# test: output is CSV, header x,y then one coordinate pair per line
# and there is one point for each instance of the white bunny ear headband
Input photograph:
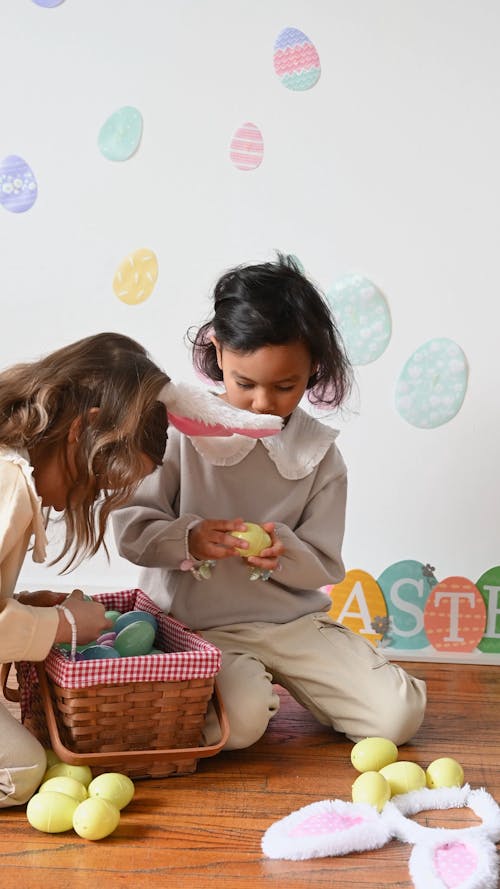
x,y
441,858
196,411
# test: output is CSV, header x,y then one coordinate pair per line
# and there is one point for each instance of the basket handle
x,y
10,694
107,759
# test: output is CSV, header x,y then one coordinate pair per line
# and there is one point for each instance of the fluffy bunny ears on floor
x,y
196,411
441,858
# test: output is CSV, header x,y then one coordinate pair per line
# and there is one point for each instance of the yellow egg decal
x,y
371,788
136,277
404,776
372,754
358,603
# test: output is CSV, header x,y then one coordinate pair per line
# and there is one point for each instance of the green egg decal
x,y
489,587
363,317
120,135
432,385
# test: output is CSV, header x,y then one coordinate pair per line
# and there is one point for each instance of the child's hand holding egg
x,y
256,537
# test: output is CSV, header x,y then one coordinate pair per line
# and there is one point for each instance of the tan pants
x,y
22,761
336,674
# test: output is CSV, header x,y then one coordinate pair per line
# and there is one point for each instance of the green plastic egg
x,y
135,639
51,812
112,615
95,818
96,652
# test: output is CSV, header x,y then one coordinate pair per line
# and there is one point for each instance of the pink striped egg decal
x,y
296,60
247,147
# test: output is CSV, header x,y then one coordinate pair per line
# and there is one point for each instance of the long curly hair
x,y
111,384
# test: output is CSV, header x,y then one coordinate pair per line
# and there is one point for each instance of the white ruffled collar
x,y
22,459
295,451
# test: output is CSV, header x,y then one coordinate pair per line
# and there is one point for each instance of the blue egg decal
x,y
18,186
406,586
120,135
432,385
363,317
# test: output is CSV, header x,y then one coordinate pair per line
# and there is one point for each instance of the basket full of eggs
x,y
135,701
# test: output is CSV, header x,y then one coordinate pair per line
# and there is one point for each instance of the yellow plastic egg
x,y
372,788
65,784
51,812
372,754
445,772
256,537
80,773
95,818
404,776
113,786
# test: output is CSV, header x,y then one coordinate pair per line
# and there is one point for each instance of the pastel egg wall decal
x,y
358,603
432,385
136,277
489,587
455,615
296,60
18,186
48,3
120,135
247,147
363,317
406,586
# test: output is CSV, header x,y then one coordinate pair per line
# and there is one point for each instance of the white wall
x,y
388,167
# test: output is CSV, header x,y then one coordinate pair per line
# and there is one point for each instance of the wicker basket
x,y
145,727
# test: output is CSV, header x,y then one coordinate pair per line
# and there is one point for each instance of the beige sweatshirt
x,y
296,479
26,632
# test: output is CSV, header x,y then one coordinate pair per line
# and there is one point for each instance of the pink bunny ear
x,y
465,863
195,411
330,827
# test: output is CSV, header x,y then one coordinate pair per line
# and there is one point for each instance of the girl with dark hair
x,y
271,341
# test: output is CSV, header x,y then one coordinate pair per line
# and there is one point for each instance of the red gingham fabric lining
x,y
187,656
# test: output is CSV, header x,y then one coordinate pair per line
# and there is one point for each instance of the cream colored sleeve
x,y
26,632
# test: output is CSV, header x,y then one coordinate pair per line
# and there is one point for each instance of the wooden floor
x,y
205,829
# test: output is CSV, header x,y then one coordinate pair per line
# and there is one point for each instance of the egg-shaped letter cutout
x,y
432,385
358,603
455,615
120,135
247,147
489,587
296,60
18,188
363,317
136,277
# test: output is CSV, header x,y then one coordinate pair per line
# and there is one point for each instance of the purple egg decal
x,y
296,60
18,188
247,147
48,3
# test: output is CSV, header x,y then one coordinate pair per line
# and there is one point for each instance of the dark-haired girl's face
x,y
271,380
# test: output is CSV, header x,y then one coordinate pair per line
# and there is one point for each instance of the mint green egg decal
x,y
489,587
406,586
363,317
120,135
432,385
